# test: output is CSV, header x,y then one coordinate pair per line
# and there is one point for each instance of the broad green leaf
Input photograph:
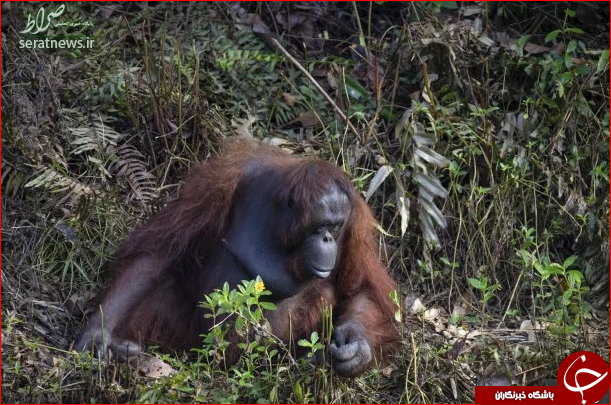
x,y
552,35
603,61
475,282
354,88
575,278
569,261
553,269
268,305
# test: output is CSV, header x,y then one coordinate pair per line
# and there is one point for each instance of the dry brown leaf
x,y
535,49
154,368
307,119
431,314
243,126
278,142
387,371
289,99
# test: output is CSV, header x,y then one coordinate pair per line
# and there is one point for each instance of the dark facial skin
x,y
319,251
253,238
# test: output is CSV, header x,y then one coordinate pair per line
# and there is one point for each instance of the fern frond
x,y
57,182
128,162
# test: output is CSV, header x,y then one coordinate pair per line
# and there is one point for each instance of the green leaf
x,y
239,323
583,70
574,30
566,77
571,46
560,89
450,5
522,41
554,269
552,35
549,102
354,89
298,391
268,306
568,61
539,268
603,61
273,394
524,255
569,261
398,316
476,283
575,278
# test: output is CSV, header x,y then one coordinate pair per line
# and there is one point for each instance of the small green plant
x,y
260,368
560,291
486,289
314,344
244,306
396,299
559,70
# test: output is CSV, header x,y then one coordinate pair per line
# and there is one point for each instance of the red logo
x,y
583,377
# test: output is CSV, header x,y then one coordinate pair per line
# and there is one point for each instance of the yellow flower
x,y
259,286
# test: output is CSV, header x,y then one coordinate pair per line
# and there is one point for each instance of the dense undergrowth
x,y
478,132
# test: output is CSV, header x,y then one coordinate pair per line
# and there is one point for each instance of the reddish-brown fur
x,y
178,239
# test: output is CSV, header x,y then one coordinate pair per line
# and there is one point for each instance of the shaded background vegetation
x,y
479,133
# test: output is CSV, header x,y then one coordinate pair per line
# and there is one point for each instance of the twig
x,y
295,62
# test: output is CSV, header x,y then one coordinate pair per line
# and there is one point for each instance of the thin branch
x,y
338,110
